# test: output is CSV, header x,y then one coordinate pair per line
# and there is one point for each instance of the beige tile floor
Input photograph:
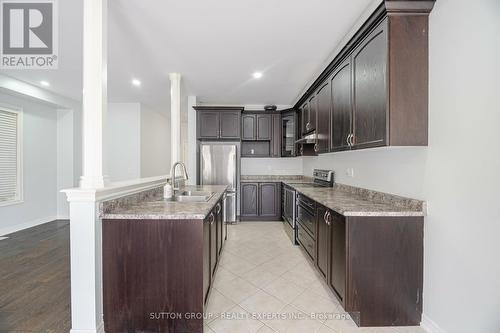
x,y
265,284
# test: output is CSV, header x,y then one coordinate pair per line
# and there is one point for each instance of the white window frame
x,y
20,188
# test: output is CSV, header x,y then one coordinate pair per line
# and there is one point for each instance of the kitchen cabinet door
x,y
269,200
323,108
249,199
230,123
264,127
305,118
220,226
213,243
312,113
206,258
208,125
337,276
341,106
276,133
322,240
249,127
289,134
369,75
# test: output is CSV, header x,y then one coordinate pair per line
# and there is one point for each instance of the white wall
x,y
271,166
39,167
458,174
122,141
155,143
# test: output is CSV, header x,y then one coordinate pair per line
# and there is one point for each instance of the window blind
x,y
9,161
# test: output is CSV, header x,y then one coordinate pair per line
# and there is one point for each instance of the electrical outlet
x,y
350,172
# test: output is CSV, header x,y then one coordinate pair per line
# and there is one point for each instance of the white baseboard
x,y
62,217
26,225
430,326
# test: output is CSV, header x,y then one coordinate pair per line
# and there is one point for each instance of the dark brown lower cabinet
x,y
155,267
336,253
322,241
269,203
260,201
373,265
249,200
213,242
207,270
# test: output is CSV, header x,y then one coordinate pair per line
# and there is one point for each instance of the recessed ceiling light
x,y
44,83
136,82
257,75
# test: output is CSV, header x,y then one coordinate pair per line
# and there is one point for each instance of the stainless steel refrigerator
x,y
219,164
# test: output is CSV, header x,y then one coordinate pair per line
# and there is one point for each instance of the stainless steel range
x,y
292,202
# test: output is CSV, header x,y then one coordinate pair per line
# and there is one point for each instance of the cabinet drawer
x,y
306,202
306,218
306,241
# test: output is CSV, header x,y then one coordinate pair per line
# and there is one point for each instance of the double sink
x,y
192,196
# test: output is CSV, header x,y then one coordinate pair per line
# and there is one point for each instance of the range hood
x,y
308,139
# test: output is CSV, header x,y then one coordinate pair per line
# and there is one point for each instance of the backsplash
x,y
272,166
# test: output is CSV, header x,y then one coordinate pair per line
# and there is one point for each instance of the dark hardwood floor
x,y
35,280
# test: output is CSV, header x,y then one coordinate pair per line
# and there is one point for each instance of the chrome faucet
x,y
175,188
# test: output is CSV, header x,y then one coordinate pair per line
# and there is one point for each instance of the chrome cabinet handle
x,y
348,138
218,208
325,217
351,139
212,218
316,148
308,126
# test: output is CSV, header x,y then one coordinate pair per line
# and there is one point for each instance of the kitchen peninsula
x,y
159,260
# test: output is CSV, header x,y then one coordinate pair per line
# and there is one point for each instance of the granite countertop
x,y
348,200
157,208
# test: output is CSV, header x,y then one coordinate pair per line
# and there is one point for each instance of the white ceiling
x,y
215,44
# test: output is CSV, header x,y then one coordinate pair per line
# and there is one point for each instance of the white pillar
x,y
86,228
94,90
191,155
175,116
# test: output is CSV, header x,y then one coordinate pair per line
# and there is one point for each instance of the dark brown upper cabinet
x,y
214,123
323,108
248,127
378,83
256,127
264,127
311,122
276,133
369,77
340,86
304,112
230,125
289,126
208,125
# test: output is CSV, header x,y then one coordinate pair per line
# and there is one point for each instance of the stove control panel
x,y
323,175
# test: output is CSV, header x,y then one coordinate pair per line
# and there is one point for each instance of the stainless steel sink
x,y
192,196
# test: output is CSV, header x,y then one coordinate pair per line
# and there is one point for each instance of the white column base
x,y
99,329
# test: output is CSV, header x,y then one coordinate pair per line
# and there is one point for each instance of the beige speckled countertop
x,y
348,200
157,208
